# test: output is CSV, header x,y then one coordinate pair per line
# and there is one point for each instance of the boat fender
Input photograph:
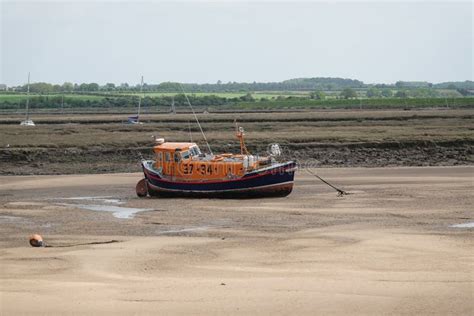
x,y
159,141
142,188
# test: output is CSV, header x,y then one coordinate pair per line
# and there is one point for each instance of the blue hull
x,y
276,180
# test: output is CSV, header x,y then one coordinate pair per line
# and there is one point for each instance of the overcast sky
x,y
198,41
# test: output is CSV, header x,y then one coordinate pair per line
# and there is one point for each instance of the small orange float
x,y
36,241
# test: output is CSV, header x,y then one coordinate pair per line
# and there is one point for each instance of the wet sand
x,y
387,248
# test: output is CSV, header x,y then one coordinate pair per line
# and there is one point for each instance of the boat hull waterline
x,y
273,181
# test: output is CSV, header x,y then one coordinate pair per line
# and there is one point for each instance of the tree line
x,y
299,84
347,97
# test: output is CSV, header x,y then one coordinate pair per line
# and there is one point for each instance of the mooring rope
x,y
340,192
82,244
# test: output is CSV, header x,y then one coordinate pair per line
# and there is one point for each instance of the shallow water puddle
x,y
117,211
464,225
103,199
104,204
184,230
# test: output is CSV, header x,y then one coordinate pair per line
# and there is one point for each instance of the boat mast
x,y
140,101
240,135
28,99
196,118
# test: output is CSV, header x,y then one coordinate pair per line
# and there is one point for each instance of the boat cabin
x,y
186,162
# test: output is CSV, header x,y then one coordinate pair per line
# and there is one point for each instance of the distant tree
x,y
373,93
67,87
110,86
169,87
387,93
401,94
93,87
348,93
452,87
40,87
123,86
317,95
247,97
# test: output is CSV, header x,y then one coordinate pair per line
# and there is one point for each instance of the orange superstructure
x,y
184,161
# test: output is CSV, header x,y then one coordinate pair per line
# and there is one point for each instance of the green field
x,y
264,100
98,95
93,97
258,95
15,98
228,95
22,97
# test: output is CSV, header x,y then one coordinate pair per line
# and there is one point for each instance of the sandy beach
x,y
390,247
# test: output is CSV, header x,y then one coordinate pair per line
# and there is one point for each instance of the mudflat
x,y
400,243
101,143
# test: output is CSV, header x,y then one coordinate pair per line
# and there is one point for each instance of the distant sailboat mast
x,y
28,99
27,121
140,101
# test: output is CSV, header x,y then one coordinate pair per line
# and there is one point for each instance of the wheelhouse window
x,y
195,151
159,156
167,157
185,154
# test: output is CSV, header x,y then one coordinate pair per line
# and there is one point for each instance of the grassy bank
x,y
159,102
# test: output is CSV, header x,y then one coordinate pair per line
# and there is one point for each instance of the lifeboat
x,y
181,169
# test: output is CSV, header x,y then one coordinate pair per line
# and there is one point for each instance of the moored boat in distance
x,y
181,169
27,121
135,119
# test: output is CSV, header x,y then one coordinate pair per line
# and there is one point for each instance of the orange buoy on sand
x,y
36,241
